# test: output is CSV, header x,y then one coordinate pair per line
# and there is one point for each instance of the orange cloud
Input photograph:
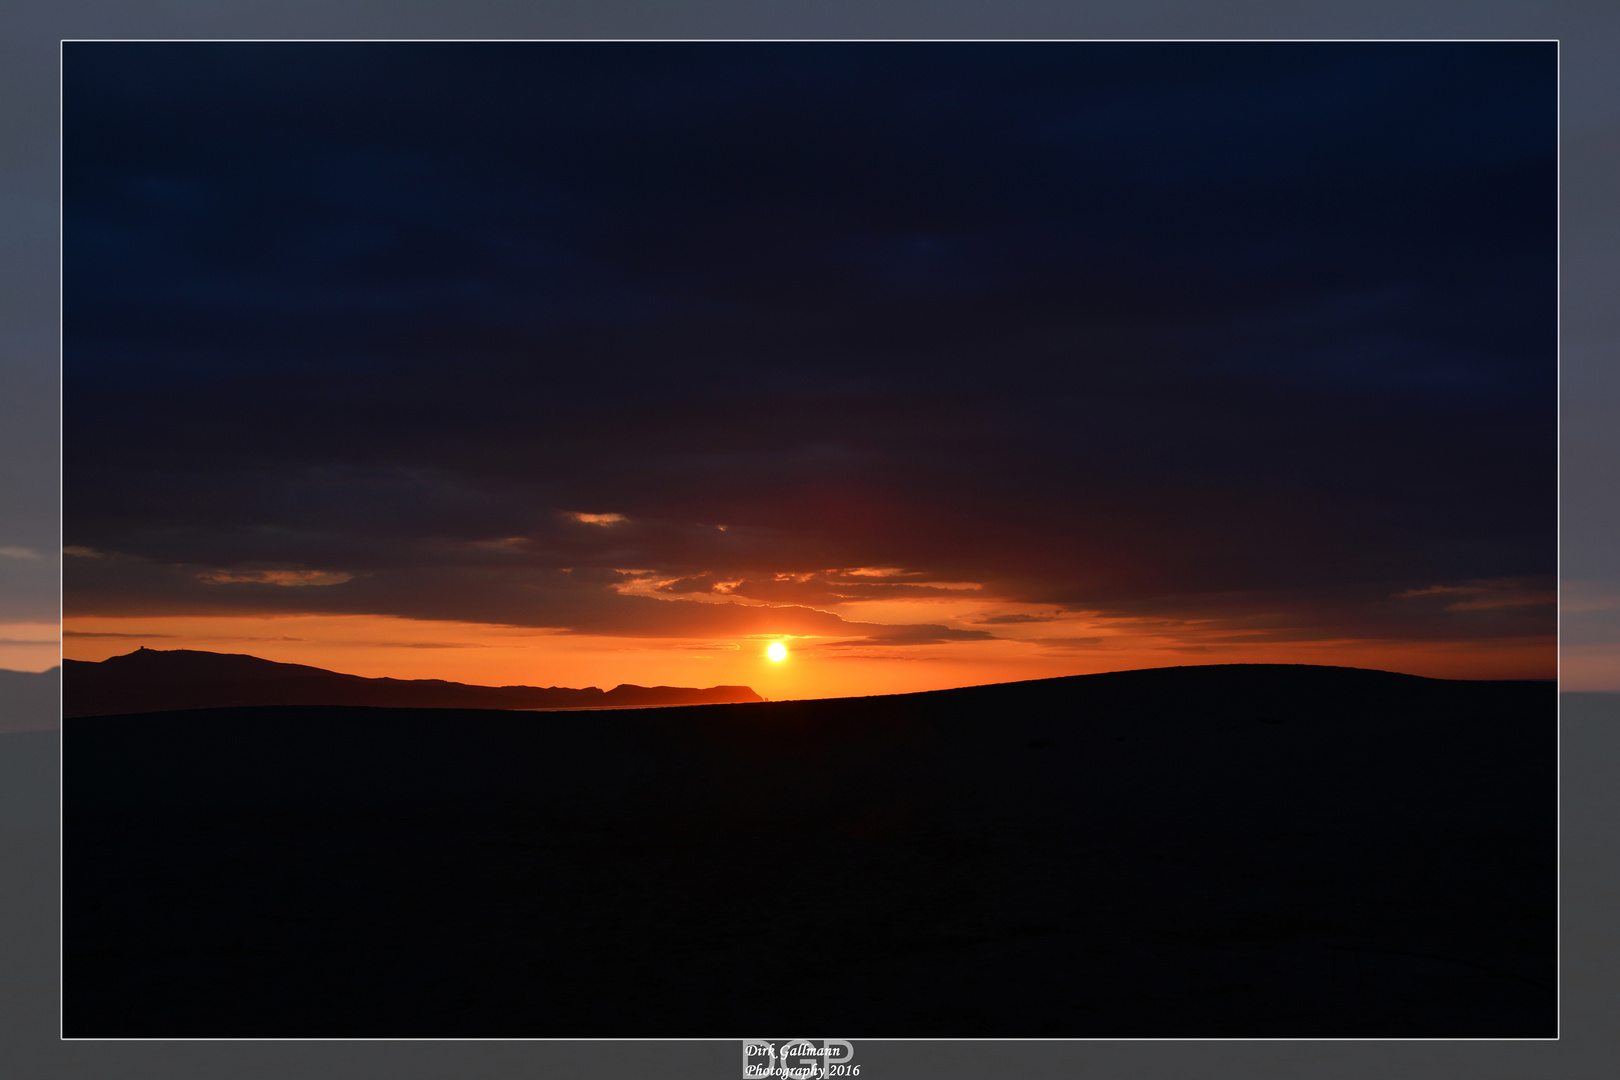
x,y
289,578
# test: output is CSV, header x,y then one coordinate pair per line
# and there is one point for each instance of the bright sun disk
x,y
777,651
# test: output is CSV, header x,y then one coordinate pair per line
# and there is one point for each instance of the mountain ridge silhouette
x,y
168,680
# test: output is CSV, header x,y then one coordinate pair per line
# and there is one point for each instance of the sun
x,y
777,651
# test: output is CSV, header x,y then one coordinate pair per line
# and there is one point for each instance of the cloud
x,y
1206,340
701,583
102,634
1011,620
1071,644
570,602
827,587
287,578
831,588
911,635
1588,610
431,645
12,551
1485,595
1518,608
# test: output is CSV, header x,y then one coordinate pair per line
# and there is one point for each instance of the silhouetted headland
x,y
1222,851
154,680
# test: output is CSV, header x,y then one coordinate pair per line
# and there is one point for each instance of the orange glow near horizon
x,y
376,646
30,646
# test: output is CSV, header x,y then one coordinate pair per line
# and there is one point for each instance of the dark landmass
x,y
1223,851
153,680
30,700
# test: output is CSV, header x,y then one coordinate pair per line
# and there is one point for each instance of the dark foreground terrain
x,y
1246,850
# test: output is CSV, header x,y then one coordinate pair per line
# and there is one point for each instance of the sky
x,y
943,364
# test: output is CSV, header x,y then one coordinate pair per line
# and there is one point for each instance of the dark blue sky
x,y
1257,333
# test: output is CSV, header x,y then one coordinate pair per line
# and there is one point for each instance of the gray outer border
x,y
1590,33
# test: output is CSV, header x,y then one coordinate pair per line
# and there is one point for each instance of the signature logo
x,y
798,1059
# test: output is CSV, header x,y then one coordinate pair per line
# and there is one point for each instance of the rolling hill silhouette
x,y
1223,851
152,680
